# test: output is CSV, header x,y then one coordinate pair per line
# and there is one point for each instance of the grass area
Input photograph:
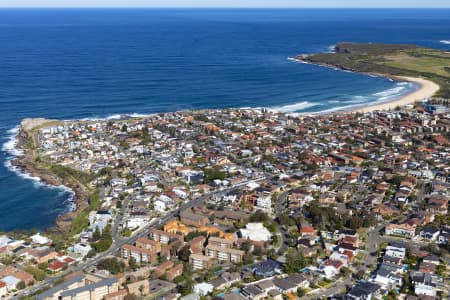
x,y
68,173
392,60
426,60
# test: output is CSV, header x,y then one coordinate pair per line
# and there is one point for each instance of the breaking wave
x,y
10,147
294,107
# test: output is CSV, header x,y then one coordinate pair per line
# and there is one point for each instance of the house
x,y
233,296
429,233
364,291
255,232
252,292
389,276
426,283
444,236
11,282
264,202
203,288
225,280
267,268
404,230
82,248
40,240
291,283
393,251
331,268
308,231
431,259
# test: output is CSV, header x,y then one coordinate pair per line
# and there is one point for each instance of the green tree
x,y
184,253
21,285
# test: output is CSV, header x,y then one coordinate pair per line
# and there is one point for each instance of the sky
x,y
231,3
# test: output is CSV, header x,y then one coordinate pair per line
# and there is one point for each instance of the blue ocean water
x,y
90,63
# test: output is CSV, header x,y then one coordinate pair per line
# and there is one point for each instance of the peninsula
x,y
426,67
247,203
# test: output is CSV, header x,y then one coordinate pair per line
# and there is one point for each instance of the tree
x,y
112,265
132,263
97,234
186,286
248,258
38,275
355,222
295,261
21,285
258,251
301,292
184,253
245,246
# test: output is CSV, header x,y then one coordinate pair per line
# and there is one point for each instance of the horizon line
x,y
216,7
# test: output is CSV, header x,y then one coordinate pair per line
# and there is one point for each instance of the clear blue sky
x,y
228,3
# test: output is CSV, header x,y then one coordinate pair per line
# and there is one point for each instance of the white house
x,y
4,240
39,239
11,282
424,289
137,220
82,249
256,232
264,202
159,205
396,252
203,288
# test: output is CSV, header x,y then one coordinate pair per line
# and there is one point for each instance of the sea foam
x,y
445,42
293,107
10,147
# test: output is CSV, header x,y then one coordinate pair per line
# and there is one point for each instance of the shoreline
x,y
427,89
24,162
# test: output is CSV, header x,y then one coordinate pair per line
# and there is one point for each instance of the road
x,y
280,208
119,242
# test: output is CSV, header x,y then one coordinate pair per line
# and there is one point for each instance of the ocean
x,y
94,63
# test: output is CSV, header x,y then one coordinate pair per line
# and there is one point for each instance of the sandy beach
x,y
427,89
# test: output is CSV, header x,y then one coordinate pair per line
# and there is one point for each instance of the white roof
x,y
256,232
39,239
4,240
10,280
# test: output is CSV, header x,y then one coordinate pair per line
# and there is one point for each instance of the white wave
x,y
389,92
294,107
331,49
10,147
357,99
445,42
115,117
